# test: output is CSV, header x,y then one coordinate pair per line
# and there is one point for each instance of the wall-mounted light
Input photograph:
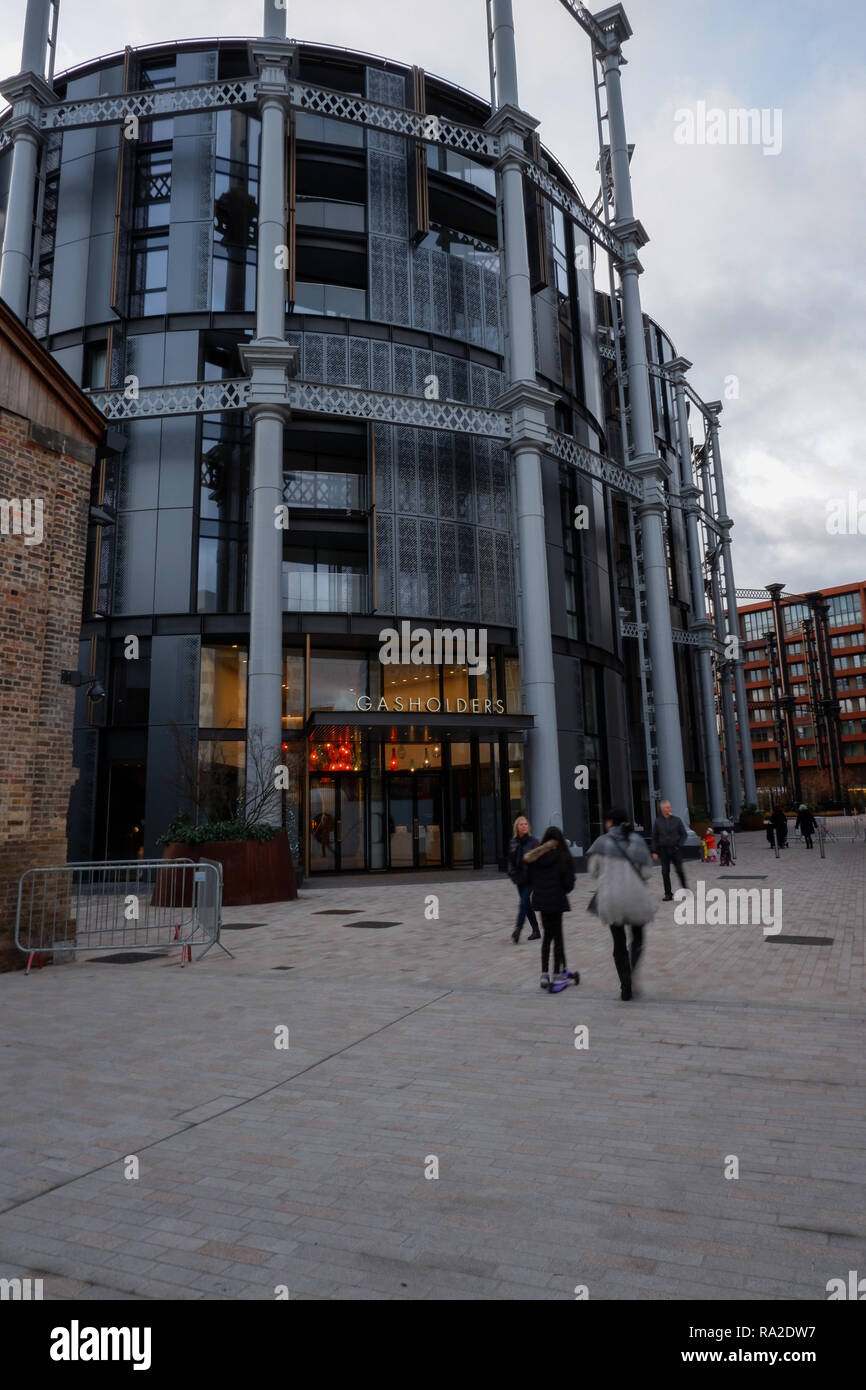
x,y
95,688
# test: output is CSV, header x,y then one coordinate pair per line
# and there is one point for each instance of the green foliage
x,y
183,831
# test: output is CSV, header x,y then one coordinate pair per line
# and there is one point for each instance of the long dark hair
x,y
621,820
553,832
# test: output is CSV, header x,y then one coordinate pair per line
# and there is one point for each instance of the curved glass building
x,y
400,571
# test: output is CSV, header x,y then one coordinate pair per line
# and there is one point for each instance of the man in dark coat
x,y
669,836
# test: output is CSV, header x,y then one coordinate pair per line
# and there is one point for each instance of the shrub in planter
x,y
256,859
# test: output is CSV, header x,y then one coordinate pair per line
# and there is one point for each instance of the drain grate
x,y
240,926
282,967
379,925
128,958
336,911
803,940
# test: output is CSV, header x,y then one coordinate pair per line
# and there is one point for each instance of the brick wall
x,y
41,589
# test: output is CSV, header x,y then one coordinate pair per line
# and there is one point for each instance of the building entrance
x,y
337,823
414,820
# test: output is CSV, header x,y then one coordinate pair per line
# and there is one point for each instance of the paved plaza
x,y
426,1043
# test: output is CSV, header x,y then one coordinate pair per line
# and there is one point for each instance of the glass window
x,y
410,683
333,301
222,572
222,700
329,212
337,681
844,610
220,778
325,130
797,668
757,623
324,581
294,666
149,274
130,685
460,166
455,680
516,783
513,702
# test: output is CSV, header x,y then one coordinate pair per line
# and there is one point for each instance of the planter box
x,y
252,872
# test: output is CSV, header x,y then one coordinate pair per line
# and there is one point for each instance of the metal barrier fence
x,y
139,905
847,829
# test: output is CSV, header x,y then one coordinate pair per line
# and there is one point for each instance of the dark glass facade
x,y
147,270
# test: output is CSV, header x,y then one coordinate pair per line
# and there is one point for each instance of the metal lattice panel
x,y
427,498
384,478
428,567
393,119
314,356
486,577
445,471
335,360
407,472
474,313
681,637
421,295
483,497
563,447
407,565
359,362
170,101
384,564
448,570
504,579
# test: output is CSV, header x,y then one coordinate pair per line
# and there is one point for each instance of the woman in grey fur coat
x,y
620,862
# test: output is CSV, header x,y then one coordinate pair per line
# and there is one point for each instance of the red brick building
x,y
49,433
805,668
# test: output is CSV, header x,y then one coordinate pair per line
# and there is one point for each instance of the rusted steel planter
x,y
253,872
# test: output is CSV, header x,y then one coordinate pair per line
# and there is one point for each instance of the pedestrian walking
x,y
726,858
550,870
806,824
779,822
523,840
620,861
669,836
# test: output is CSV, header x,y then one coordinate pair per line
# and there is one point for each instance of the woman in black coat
x,y
523,841
779,822
806,824
550,870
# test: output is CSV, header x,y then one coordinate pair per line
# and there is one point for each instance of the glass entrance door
x,y
415,820
337,838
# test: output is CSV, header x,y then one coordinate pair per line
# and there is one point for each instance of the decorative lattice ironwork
x,y
576,210
189,398
202,397
681,637
167,101
396,120
594,465
397,410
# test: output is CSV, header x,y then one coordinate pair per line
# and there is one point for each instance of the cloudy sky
x,y
755,263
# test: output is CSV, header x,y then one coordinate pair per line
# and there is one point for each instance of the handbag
x,y
592,905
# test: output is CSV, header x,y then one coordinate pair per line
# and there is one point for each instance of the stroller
x,y
725,856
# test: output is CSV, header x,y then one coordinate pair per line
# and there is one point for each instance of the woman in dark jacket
x,y
551,877
806,824
523,841
779,822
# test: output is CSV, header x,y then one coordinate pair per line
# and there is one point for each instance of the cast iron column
x,y
27,94
647,461
528,404
268,359
701,623
786,699
746,759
